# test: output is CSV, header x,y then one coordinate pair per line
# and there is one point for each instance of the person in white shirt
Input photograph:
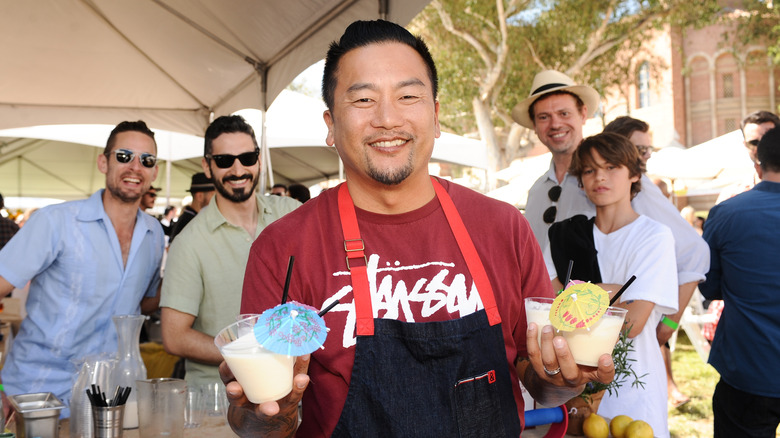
x,y
622,243
557,109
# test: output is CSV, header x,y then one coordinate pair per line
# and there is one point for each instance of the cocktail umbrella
x,y
579,306
291,328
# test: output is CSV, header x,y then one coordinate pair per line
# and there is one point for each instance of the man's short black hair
x,y
226,124
626,125
363,33
758,118
138,126
769,150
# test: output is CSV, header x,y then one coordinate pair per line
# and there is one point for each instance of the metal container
x,y
108,421
38,414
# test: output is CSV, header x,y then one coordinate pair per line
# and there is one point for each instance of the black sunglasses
x,y
225,161
554,194
753,143
125,156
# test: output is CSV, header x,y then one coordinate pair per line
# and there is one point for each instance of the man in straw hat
x,y
557,109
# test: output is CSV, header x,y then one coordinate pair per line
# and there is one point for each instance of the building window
x,y
644,85
728,85
731,125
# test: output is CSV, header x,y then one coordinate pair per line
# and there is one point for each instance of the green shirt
x,y
204,273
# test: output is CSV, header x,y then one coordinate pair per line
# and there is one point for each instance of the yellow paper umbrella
x,y
579,306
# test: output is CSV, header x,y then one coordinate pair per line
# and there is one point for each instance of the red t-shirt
x,y
416,274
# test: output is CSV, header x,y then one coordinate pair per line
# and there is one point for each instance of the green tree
x,y
489,51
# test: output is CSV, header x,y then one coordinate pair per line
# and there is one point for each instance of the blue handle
x,y
538,417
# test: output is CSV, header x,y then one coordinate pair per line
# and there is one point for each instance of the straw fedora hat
x,y
548,81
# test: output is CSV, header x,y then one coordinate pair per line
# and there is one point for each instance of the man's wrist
x,y
669,323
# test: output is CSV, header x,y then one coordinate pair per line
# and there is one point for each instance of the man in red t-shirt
x,y
442,345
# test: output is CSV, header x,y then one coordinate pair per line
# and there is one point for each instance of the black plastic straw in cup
x,y
622,289
327,309
568,273
287,281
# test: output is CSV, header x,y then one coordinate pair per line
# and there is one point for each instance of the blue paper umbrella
x,y
291,328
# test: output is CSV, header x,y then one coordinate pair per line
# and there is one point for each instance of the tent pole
x,y
267,165
168,173
266,173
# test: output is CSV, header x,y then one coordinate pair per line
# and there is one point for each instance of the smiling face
x,y
384,117
237,183
605,183
128,182
558,123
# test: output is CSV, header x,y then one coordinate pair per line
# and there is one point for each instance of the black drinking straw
x,y
622,289
287,281
568,273
327,309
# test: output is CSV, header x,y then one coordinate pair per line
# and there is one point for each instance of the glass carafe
x,y
93,370
130,367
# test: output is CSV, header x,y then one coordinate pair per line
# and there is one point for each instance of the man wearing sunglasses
x,y
147,200
204,271
86,261
754,126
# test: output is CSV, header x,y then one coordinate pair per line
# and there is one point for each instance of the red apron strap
x,y
355,248
469,252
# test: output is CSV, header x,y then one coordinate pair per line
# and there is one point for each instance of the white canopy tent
x,y
59,161
704,169
172,63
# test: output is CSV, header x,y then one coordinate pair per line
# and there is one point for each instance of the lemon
x,y
595,426
639,429
618,425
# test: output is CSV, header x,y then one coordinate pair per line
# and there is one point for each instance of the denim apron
x,y
433,379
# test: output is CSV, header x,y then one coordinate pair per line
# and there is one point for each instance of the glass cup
x,y
264,375
586,344
194,408
214,399
161,405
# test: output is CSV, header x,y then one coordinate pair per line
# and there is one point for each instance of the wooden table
x,y
218,427
210,428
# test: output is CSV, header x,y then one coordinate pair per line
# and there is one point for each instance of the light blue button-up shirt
x,y
70,253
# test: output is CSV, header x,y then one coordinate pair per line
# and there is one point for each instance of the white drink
x,y
265,376
586,344
130,416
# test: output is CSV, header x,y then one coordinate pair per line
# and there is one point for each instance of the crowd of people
x,y
424,274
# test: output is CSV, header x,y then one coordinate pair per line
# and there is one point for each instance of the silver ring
x,y
553,372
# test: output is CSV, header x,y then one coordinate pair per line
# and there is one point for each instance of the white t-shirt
x,y
644,248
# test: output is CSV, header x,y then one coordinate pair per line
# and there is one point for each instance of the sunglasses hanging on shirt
x,y
554,194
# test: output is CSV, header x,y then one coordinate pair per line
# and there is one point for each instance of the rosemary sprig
x,y
623,369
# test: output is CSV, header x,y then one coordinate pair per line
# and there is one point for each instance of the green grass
x,y
697,380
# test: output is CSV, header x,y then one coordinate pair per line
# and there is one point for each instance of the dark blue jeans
x,y
741,414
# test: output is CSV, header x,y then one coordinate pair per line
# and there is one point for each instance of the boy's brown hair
x,y
615,149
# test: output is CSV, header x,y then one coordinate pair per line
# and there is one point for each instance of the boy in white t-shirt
x,y
609,249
